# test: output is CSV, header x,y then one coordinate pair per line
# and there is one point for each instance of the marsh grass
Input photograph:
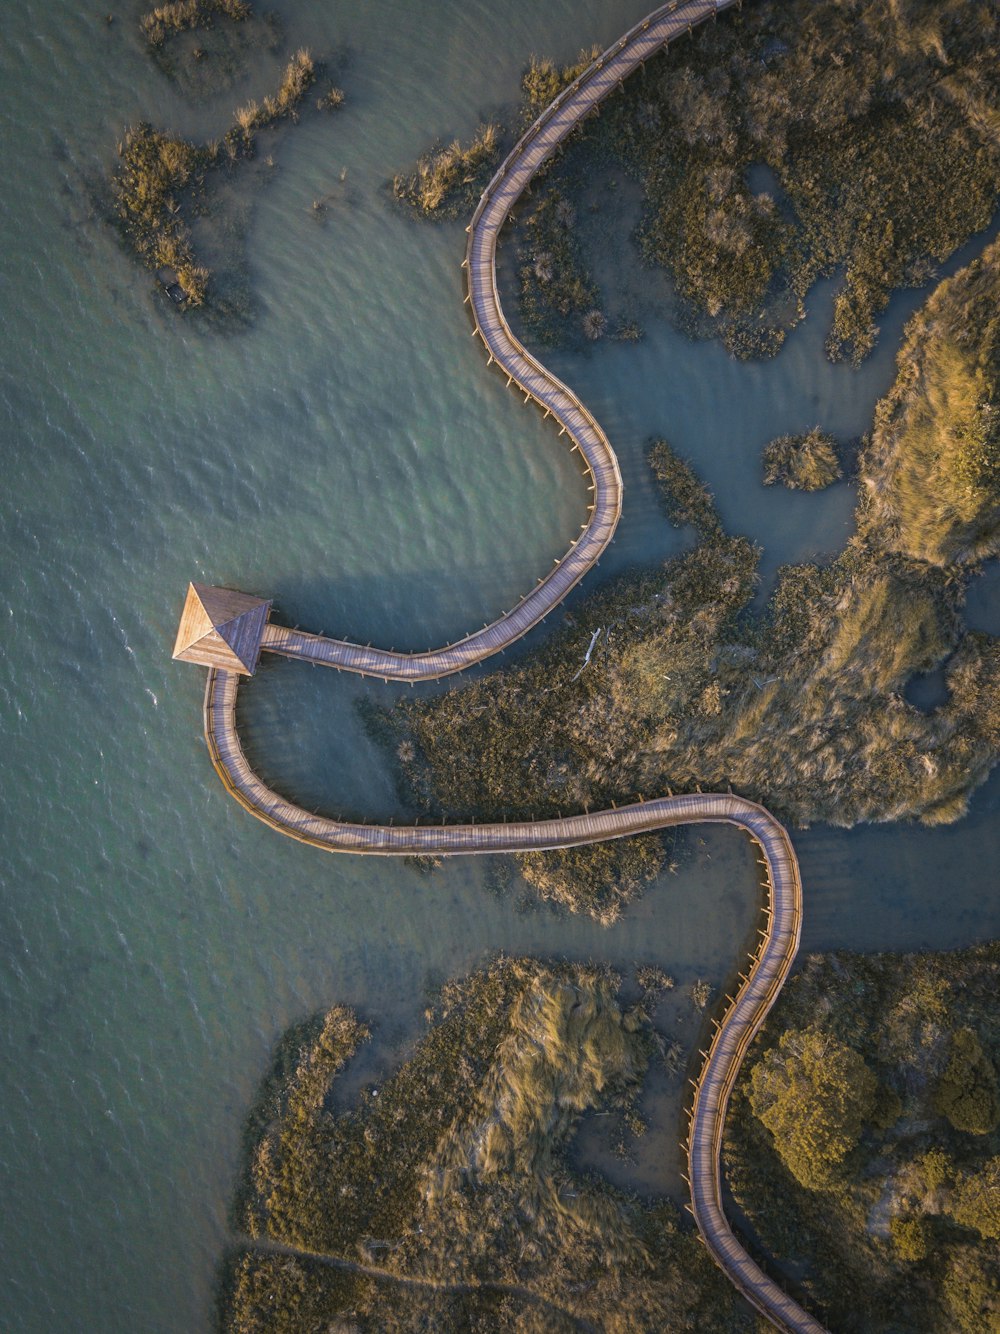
x,y
557,292
933,467
183,15
205,46
883,149
169,194
447,181
599,880
847,111
456,1169
807,462
544,80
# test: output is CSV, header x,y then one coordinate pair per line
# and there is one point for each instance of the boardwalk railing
x,y
779,942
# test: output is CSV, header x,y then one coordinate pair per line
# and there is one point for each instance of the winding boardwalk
x,y
779,941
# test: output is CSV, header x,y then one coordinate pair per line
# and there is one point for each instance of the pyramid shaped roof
x,y
221,628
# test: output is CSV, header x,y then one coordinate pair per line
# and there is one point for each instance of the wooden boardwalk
x,y
768,969
533,379
779,941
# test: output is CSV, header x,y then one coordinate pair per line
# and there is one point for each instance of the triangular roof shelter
x,y
221,628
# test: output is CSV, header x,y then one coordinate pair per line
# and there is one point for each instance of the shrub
x,y
887,1108
967,1091
972,1292
910,1238
814,1094
976,1201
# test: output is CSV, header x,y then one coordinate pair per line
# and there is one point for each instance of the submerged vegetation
x,y
806,462
801,708
447,1192
163,200
205,45
863,1142
181,15
787,142
555,286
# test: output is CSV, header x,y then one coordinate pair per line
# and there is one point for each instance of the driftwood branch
x,y
593,641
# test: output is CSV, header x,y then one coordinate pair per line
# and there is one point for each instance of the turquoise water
x,y
352,458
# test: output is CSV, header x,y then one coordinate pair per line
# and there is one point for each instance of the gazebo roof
x,y
221,628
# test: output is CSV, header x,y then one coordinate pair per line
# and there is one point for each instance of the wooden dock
x,y
779,939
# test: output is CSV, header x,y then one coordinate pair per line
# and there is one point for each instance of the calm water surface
x,y
352,458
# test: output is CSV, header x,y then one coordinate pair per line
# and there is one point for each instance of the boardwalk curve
x,y
779,941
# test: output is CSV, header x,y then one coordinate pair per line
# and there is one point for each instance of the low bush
x,y
908,1213
814,1094
967,1092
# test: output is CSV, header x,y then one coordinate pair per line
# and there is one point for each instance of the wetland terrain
x,y
502,1129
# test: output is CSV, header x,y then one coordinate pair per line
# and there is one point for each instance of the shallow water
x,y
351,457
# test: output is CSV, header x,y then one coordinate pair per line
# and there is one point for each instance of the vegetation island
x,y
447,1198
802,707
863,1145
786,142
177,204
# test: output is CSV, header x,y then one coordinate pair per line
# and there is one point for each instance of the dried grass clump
x,y
449,180
806,462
